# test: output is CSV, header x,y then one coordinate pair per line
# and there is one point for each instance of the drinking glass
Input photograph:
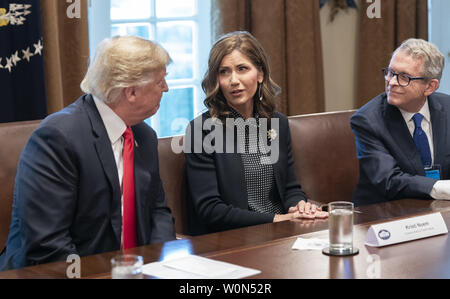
x,y
340,224
126,266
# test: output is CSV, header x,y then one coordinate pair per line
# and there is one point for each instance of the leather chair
x,y
323,147
172,169
14,137
324,151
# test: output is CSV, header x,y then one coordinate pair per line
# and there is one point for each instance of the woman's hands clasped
x,y
303,210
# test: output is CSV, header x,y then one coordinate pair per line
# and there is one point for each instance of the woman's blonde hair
x,y
246,44
120,62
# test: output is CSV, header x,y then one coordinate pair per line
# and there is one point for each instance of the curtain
x,y
289,31
379,37
66,54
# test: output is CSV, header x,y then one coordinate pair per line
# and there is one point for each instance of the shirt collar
x,y
425,111
115,126
236,114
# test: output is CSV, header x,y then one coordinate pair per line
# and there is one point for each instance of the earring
x,y
260,94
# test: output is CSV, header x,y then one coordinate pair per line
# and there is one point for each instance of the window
x,y
439,26
182,27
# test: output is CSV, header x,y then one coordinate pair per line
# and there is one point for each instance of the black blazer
x,y
389,162
67,197
218,197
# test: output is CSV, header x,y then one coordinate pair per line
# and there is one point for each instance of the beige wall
x,y
339,47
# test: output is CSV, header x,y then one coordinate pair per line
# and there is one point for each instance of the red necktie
x,y
129,207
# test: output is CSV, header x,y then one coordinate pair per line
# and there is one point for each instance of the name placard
x,y
399,231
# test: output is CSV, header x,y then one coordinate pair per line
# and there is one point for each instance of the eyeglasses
x,y
402,79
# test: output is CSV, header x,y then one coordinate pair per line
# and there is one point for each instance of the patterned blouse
x,y
259,177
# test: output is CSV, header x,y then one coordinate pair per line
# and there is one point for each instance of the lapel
x,y
401,136
143,188
232,161
278,172
106,156
439,125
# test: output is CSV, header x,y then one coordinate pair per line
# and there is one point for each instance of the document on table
x,y
310,244
196,267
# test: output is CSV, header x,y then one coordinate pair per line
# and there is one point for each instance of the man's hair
x,y
121,62
433,60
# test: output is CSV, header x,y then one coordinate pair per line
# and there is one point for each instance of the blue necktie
x,y
421,141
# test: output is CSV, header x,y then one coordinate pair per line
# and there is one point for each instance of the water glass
x,y
340,224
126,266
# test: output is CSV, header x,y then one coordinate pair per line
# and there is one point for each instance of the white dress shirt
x,y
115,127
441,189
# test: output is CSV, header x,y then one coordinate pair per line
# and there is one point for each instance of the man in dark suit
x,y
403,135
88,179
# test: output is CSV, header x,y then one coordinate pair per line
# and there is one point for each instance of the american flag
x,y
22,86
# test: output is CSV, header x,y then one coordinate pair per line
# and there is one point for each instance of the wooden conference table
x,y
268,248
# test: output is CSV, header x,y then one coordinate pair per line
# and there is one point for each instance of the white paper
x,y
196,267
310,244
399,231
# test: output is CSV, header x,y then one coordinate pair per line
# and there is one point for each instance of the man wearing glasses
x,y
403,135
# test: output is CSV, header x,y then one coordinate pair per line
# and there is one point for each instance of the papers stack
x,y
196,267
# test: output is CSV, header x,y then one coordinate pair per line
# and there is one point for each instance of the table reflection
x,y
341,267
174,250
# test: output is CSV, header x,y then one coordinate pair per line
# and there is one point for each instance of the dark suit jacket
x,y
217,188
389,162
67,197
